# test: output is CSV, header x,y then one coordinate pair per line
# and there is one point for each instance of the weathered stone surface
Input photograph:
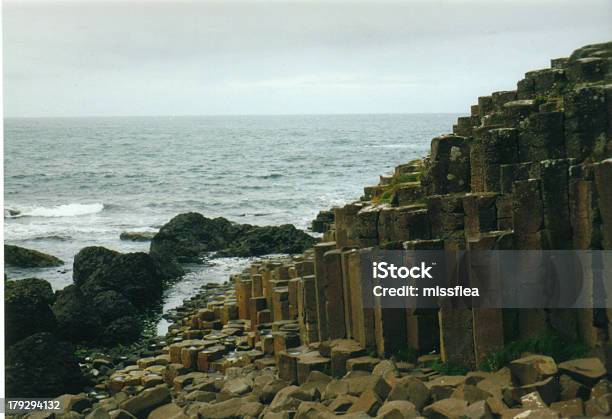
x,y
585,370
369,403
27,308
28,258
187,236
569,408
446,409
398,409
533,368
412,390
41,365
143,403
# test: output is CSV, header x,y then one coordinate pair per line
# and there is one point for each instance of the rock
x,y
570,388
548,389
470,393
145,402
200,396
137,236
27,308
123,330
412,390
385,368
187,236
529,414
446,409
533,368
21,257
168,411
258,241
602,388
532,401
478,410
313,410
74,402
120,414
88,260
98,413
250,409
221,410
368,402
286,399
601,406
271,388
362,363
569,408
442,387
42,365
111,305
342,403
237,386
77,320
134,275
586,370
398,409
359,385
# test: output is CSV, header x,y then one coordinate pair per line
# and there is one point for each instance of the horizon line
x,y
4,117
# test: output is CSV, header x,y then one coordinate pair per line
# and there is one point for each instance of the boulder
x,y
398,409
478,410
258,241
146,401
586,371
368,402
21,257
533,368
77,319
111,305
42,366
135,275
188,236
88,260
27,308
446,409
74,402
123,330
410,389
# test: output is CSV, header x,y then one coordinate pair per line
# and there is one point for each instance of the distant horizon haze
x,y
237,58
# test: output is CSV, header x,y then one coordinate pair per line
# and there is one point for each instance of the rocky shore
x,y
290,336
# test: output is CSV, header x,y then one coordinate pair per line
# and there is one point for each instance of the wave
x,y
67,210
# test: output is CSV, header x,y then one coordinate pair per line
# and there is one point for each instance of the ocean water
x,y
80,182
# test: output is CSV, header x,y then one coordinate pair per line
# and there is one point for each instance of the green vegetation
x,y
449,368
549,343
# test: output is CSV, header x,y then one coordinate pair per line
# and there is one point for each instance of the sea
x,y
76,182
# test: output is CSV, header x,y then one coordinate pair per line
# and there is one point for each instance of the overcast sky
x,y
272,57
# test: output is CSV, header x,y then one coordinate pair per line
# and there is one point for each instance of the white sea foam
x,y
67,210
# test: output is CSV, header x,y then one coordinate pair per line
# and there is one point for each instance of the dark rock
x,y
89,260
111,305
76,317
123,330
27,308
42,366
270,239
187,236
28,258
135,275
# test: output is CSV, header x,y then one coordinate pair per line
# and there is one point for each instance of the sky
x,y
118,58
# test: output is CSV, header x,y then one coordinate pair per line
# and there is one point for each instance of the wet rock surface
x,y
28,258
